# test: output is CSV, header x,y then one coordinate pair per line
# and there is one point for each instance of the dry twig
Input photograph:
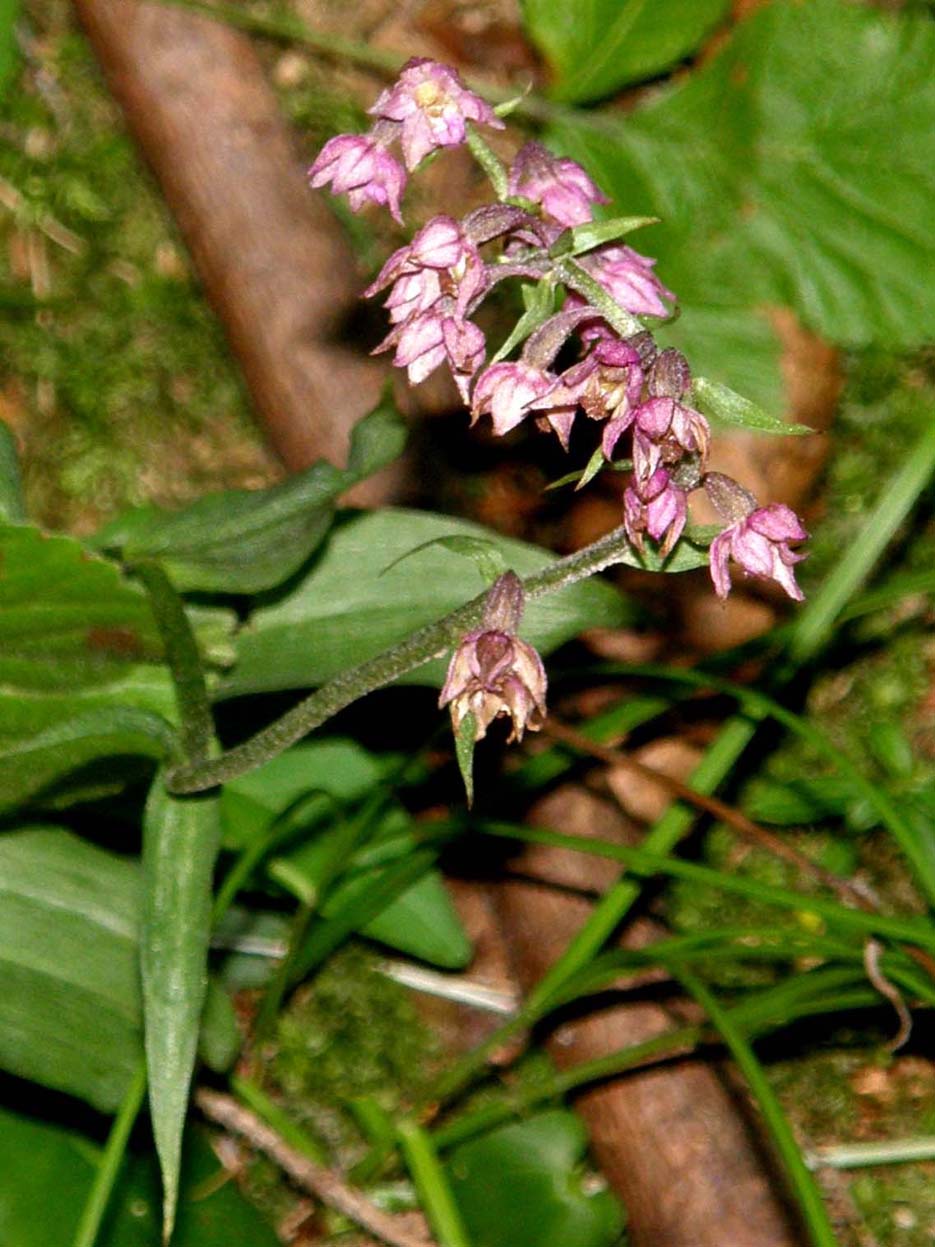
x,y
325,1184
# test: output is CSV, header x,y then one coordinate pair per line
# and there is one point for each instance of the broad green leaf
x,y
46,1173
243,541
523,1184
725,406
75,636
798,169
88,748
12,505
421,921
180,843
343,610
595,47
70,1011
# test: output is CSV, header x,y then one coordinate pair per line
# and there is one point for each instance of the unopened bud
x,y
670,375
728,497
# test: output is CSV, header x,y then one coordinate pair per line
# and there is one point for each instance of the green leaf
x,y
89,747
180,842
523,1184
482,552
75,636
797,168
46,1172
596,233
12,505
343,611
595,48
244,541
724,406
70,1011
421,921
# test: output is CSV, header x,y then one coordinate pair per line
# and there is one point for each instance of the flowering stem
x,y
432,641
581,281
489,161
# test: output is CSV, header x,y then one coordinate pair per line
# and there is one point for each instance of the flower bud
x,y
493,672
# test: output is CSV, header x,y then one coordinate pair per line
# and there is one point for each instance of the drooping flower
x,y
360,166
758,540
493,672
655,506
507,391
628,278
441,259
663,430
432,105
561,186
464,348
606,383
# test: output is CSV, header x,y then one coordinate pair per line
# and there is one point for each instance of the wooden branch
x,y
325,1184
270,255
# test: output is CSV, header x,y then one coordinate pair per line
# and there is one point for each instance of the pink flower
x,y
561,186
464,347
656,506
441,259
628,278
760,544
359,165
493,672
432,105
607,382
664,430
507,391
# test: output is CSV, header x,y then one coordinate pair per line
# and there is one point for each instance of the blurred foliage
x,y
114,372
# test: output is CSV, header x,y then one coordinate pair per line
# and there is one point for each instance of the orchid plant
x,y
588,295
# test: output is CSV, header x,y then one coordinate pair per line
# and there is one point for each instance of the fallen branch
x,y
325,1184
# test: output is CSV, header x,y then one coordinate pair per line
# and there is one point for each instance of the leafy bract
x,y
70,1005
243,541
597,46
522,1184
348,607
796,168
46,1174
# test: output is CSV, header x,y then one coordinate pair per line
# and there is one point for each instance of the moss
x,y
113,361
351,1033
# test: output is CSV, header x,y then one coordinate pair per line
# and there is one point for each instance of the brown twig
x,y
325,1184
873,950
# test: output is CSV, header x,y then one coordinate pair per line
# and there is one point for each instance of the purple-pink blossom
x,y
360,166
760,544
493,672
441,259
663,430
607,382
431,104
560,185
507,391
655,506
628,278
